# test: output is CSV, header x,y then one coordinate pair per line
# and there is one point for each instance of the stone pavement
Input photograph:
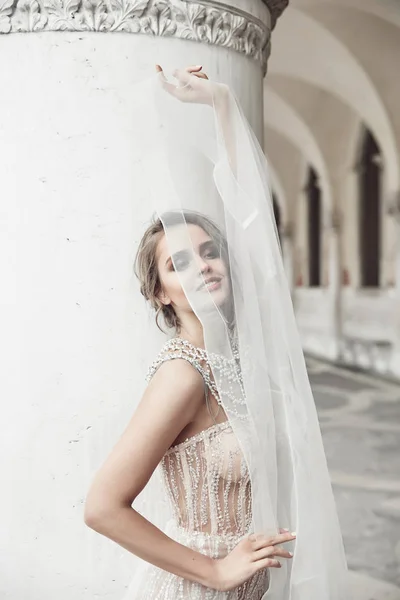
x,y
360,423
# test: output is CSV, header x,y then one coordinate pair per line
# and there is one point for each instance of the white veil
x,y
200,155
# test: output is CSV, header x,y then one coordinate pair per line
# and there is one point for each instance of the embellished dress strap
x,y
197,357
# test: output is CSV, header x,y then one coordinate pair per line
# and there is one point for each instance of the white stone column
x,y
70,215
332,230
394,211
287,235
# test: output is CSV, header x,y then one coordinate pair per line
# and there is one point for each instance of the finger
x,y
182,76
266,552
167,85
283,537
271,552
259,541
266,563
193,69
278,551
263,540
171,88
200,75
161,73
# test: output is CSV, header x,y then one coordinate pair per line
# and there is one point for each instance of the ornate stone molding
x,y
208,22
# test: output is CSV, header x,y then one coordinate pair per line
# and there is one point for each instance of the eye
x,y
212,252
181,264
181,260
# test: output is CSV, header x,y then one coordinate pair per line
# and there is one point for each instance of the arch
x,y
277,191
343,77
389,11
282,118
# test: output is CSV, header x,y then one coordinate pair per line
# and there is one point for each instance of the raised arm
x,y
194,86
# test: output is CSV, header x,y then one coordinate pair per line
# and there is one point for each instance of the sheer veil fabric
x,y
197,153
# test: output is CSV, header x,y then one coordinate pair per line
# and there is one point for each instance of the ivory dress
x,y
208,486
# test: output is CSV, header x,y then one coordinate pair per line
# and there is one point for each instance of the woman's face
x,y
190,261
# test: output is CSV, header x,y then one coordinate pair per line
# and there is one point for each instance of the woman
x,y
199,418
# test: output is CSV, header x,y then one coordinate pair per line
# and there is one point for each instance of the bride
x,y
195,424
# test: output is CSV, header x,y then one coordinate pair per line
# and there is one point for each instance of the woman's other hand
x,y
193,85
252,554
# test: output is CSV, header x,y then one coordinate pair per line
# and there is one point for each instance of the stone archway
x,y
346,78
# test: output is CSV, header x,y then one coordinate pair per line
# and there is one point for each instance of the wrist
x,y
213,575
220,95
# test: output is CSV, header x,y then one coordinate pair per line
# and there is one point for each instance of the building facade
x,y
332,138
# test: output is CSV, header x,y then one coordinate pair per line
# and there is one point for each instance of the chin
x,y
220,297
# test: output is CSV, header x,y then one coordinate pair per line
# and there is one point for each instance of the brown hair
x,y
146,262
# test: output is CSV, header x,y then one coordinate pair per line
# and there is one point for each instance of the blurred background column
x,y
394,212
288,251
334,260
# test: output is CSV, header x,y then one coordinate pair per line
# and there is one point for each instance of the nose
x,y
203,265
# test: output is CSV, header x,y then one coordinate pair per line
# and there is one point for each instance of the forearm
x,y
223,110
129,529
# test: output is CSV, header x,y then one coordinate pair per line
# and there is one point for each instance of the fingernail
x,y
291,553
284,529
293,533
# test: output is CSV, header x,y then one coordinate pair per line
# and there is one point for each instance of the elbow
x,y
91,518
101,508
94,515
94,508
99,517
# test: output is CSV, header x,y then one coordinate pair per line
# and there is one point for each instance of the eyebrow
x,y
203,247
176,255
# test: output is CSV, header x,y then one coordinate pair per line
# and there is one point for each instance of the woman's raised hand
x,y
251,554
191,86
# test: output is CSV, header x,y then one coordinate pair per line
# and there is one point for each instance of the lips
x,y
209,283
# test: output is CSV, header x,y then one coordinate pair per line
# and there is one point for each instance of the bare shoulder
x,y
169,403
177,378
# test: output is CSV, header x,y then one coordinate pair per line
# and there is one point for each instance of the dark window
x,y
314,229
369,171
277,214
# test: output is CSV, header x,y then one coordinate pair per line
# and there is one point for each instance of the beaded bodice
x,y
207,481
206,476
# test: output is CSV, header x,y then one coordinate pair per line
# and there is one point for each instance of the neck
x,y
192,330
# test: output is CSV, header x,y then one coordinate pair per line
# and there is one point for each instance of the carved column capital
x,y
204,21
